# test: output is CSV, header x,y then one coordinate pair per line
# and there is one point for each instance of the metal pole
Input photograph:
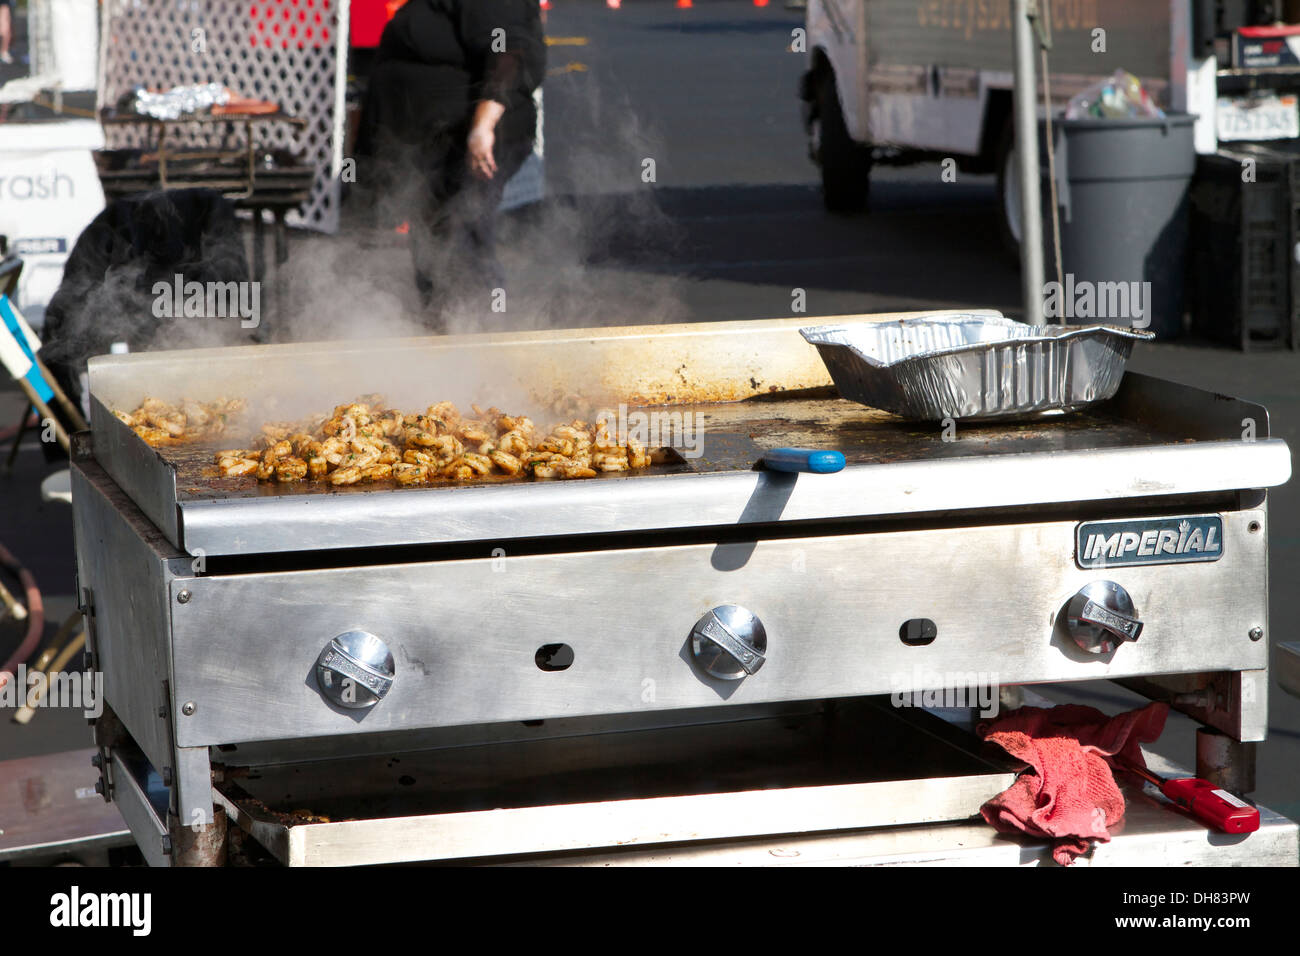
x,y
1031,212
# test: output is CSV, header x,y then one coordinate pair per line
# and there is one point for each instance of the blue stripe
x,y
33,376
37,381
11,323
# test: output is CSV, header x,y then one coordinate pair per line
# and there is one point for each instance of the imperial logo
x,y
1102,544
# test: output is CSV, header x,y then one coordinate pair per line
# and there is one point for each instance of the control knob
x,y
729,642
355,670
1101,617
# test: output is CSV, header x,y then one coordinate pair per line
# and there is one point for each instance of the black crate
x,y
1245,280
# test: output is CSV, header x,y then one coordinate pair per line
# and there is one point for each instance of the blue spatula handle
x,y
804,460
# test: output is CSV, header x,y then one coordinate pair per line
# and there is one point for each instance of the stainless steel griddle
x,y
1190,443
228,617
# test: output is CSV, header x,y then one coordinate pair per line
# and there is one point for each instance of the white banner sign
x,y
49,193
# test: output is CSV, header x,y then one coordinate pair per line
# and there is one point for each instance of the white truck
x,y
911,80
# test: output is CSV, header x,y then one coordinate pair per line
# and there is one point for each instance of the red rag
x,y
1072,797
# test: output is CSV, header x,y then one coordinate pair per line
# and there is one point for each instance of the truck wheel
x,y
845,164
1009,201
1008,192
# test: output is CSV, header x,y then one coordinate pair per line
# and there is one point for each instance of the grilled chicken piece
x,y
445,411
458,470
289,469
301,443
447,447
333,450
414,456
569,433
514,423
560,467
481,464
637,456
506,462
165,419
235,467
278,431
345,476
360,457
473,432
392,424
279,449
610,460
196,416
407,474
514,443
421,436
564,447
252,453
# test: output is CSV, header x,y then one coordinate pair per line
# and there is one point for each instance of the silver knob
x,y
1102,616
355,670
729,642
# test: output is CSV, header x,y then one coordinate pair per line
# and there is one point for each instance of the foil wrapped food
x,y
974,365
178,101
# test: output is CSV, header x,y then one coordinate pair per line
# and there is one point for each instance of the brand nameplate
x,y
1180,540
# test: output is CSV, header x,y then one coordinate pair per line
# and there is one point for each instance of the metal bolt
x,y
97,761
167,776
188,708
183,597
1253,527
1256,633
99,786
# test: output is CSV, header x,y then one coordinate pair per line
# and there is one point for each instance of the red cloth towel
x,y
1072,796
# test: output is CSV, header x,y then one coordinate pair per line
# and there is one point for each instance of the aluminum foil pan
x,y
974,365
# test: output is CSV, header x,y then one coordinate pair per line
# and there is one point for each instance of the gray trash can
x,y
1123,188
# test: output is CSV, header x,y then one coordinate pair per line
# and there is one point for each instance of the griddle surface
x,y
733,437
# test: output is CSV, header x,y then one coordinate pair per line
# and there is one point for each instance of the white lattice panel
x,y
40,38
286,51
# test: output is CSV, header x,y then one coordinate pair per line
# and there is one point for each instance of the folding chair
x,y
18,348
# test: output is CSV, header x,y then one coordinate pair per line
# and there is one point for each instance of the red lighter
x,y
1211,805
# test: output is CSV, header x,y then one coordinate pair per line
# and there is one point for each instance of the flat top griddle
x,y
749,386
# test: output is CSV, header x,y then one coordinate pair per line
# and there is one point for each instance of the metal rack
x,y
276,187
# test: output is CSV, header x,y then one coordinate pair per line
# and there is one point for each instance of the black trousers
x,y
453,233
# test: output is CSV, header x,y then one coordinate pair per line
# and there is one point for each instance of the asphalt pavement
x,y
725,222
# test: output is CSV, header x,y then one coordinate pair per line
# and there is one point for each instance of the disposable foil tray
x,y
973,366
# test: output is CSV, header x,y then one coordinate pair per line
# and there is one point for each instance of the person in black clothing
x,y
108,282
450,104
